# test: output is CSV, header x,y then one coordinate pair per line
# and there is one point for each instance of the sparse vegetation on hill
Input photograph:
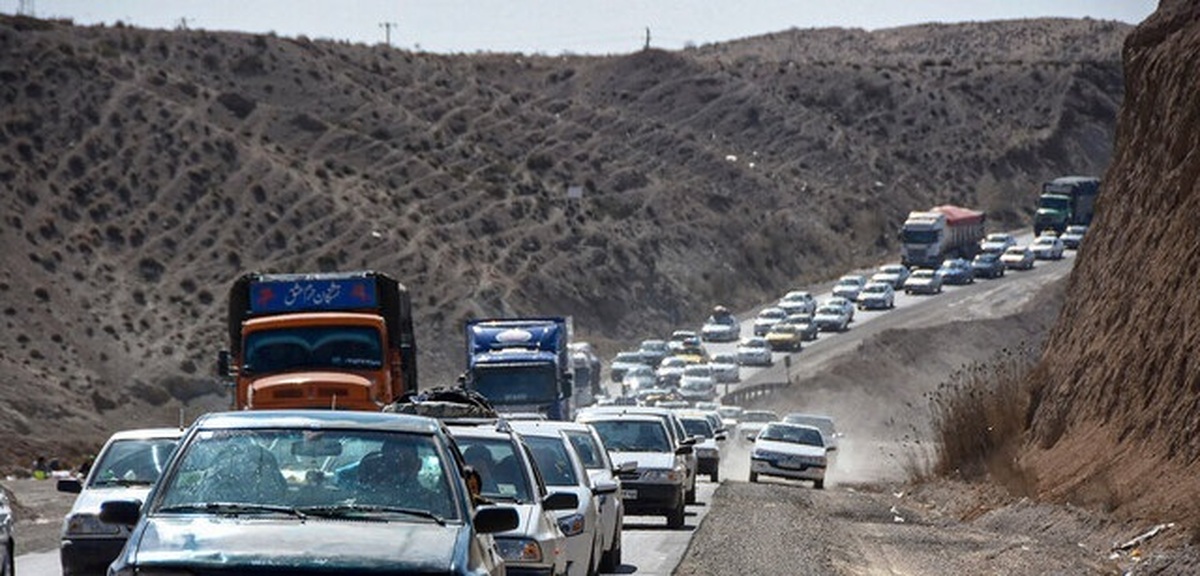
x,y
141,171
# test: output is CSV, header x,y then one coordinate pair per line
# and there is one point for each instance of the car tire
x,y
753,477
611,560
675,517
10,565
715,476
819,484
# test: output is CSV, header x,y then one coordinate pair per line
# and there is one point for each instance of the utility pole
x,y
182,24
387,31
26,8
647,46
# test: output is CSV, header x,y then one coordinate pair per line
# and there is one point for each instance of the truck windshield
x,y
920,236
338,347
507,385
1055,202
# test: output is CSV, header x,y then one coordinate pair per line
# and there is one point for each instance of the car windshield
x,y
307,348
725,320
628,357
553,460
999,238
697,426
516,384
987,257
1015,251
754,343
1044,241
698,371
792,435
796,297
783,329
724,359
729,411
829,310
772,314
633,435
587,449
302,471
919,274
1055,202
499,466
1076,229
673,362
894,269
874,288
136,461
848,282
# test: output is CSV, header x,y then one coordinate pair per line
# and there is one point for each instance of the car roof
x,y
607,415
550,425
318,419
147,434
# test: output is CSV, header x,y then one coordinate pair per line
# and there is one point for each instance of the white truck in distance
x,y
928,238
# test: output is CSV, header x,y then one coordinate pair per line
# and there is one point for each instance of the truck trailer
x,y
521,365
1066,201
328,341
929,237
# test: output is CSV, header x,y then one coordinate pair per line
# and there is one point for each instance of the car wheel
x,y
675,518
753,477
715,476
10,565
611,560
691,496
819,484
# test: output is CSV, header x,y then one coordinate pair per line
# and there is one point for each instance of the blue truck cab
x,y
521,365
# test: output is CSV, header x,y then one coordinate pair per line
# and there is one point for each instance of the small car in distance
x,y
795,451
725,368
849,286
622,362
753,421
923,281
1073,236
698,383
670,370
997,242
798,302
988,265
767,318
638,378
722,326
808,328
785,337
877,296
754,352
894,274
956,271
1047,247
653,351
1018,258
126,467
832,318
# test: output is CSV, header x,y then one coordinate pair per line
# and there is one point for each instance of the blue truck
x,y
521,365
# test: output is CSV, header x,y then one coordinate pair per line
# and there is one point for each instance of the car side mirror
x,y
124,512
831,448
492,519
626,467
605,488
683,450
561,501
720,436
71,485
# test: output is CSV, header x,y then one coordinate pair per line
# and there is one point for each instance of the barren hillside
x,y
141,171
1119,387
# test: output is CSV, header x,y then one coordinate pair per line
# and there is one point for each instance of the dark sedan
x,y
988,265
956,271
307,492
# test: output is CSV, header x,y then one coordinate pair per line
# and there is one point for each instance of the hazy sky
x,y
557,26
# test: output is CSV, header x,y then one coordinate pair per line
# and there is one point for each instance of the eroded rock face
x,y
1119,412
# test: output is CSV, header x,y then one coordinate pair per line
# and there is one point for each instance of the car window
x,y
792,435
132,461
500,467
697,427
553,460
585,446
633,435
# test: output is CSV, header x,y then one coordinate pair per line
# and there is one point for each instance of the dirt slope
x,y
1117,421
141,171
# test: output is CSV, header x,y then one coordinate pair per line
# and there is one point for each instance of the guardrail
x,y
747,393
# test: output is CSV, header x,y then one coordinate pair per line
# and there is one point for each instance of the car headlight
x,y
519,549
89,525
571,525
661,475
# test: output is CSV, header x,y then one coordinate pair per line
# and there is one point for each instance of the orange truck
x,y
331,341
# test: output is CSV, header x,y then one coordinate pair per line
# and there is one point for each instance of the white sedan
x,y
832,318
795,451
754,352
1018,258
1048,248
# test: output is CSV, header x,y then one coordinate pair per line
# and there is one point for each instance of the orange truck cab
x,y
332,341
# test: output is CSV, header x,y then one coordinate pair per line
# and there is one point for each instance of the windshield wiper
x,y
233,508
122,482
344,510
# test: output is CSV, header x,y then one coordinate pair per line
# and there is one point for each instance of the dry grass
x,y
978,419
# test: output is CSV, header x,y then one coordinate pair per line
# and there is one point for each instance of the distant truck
x,y
330,341
521,365
928,238
586,365
1064,202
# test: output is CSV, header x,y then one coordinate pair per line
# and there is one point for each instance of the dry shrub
x,y
978,417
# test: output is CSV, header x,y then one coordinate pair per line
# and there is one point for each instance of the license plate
x,y
628,494
794,463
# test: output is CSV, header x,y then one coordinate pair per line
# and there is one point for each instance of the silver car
x,y
877,296
125,469
725,368
605,483
563,471
849,286
754,352
923,281
8,544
